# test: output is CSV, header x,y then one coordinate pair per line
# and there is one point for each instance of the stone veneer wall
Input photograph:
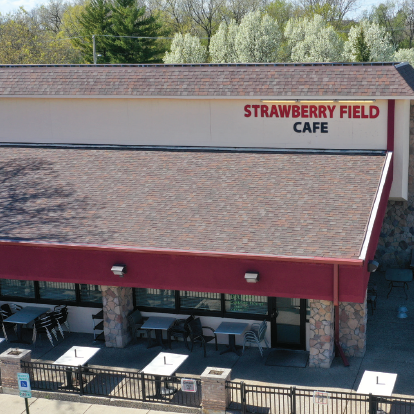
x,y
117,303
321,337
397,233
352,327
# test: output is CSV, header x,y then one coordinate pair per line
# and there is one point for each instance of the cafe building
x,y
233,192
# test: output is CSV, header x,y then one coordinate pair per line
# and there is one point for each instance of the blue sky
x,y
9,5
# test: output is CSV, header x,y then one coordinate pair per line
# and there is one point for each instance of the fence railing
x,y
282,400
90,380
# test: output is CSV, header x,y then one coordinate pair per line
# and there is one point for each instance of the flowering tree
x,y
312,40
405,55
258,39
376,39
186,49
223,44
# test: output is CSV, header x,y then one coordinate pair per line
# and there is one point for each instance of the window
x,y
91,294
155,298
57,291
17,288
200,300
246,304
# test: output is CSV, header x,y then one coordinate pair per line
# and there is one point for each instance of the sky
x,y
10,5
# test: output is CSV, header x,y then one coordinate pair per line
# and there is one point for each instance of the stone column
x,y
117,303
215,398
10,366
352,327
321,337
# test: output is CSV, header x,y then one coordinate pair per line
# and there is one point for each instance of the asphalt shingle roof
x,y
261,203
208,80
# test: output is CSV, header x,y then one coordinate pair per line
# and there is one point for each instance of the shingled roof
x,y
292,204
266,80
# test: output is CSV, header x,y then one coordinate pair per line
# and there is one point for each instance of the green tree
x,y
363,52
94,19
129,20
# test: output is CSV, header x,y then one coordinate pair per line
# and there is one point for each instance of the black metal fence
x,y
281,400
131,385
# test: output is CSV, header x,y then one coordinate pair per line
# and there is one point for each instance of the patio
x,y
388,350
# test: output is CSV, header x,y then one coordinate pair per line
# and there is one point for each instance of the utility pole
x,y
94,49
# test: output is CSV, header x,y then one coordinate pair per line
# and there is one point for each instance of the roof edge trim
x,y
228,255
375,207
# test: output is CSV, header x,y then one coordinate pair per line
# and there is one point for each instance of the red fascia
x,y
307,278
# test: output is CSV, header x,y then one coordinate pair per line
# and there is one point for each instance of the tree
x,y
186,49
376,38
129,20
312,40
223,44
94,19
363,52
51,15
333,11
258,39
405,55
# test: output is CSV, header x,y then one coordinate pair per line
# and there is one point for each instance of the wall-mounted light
x,y
251,277
119,269
372,266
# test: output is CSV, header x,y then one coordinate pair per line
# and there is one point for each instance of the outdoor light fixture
x,y
372,266
119,269
251,277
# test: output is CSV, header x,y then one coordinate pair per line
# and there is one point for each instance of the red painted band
x,y
390,124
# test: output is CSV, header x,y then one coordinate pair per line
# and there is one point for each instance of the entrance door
x,y
288,322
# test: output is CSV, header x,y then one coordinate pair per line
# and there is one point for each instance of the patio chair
x,y
5,325
256,334
197,335
372,297
60,313
9,309
44,324
180,329
136,320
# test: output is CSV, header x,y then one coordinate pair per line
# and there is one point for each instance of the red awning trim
x,y
297,259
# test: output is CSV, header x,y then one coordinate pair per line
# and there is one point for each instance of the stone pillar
x,y
321,337
117,303
352,327
10,366
215,398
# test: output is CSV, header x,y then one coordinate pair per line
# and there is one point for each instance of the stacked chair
x,y
6,310
256,335
60,316
45,323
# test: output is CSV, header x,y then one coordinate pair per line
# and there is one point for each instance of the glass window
x,y
17,288
155,298
57,291
200,300
246,304
90,293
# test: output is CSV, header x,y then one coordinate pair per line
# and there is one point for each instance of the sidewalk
x,y
13,404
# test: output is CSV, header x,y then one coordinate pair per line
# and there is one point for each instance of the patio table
x,y
23,317
75,356
398,278
159,324
165,364
231,329
377,384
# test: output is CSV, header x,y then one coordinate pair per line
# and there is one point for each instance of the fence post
x,y
11,362
215,395
293,400
80,380
143,386
243,396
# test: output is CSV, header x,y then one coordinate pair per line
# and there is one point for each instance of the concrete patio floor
x,y
389,349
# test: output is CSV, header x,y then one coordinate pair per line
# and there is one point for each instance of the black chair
x,y
372,297
180,329
197,334
9,309
60,314
136,320
44,324
5,325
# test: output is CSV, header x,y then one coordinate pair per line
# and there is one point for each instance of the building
x,y
195,177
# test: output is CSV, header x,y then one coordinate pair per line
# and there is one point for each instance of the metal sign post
x,y
25,389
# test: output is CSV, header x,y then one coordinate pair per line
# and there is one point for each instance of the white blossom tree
x,y
313,40
223,44
377,40
258,39
405,55
186,49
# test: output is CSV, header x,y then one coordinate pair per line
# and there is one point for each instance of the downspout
x,y
338,348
